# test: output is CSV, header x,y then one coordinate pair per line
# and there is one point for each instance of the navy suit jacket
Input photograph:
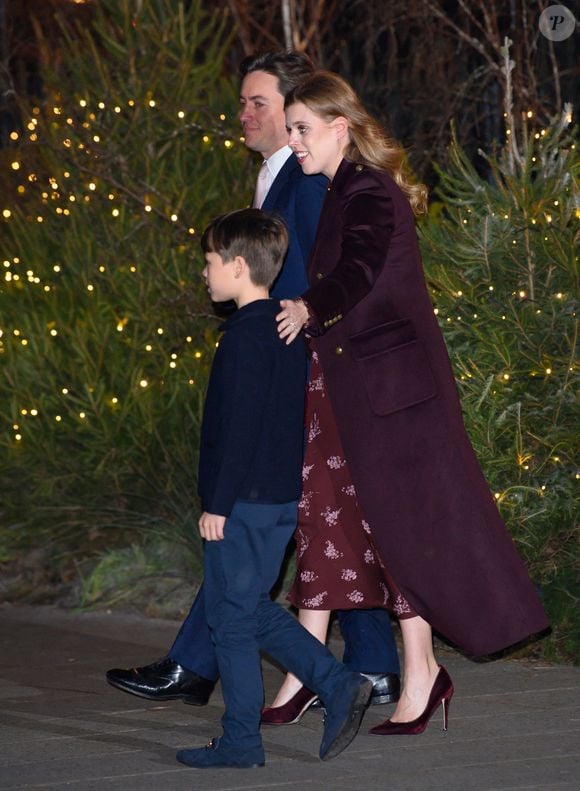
x,y
252,433
298,200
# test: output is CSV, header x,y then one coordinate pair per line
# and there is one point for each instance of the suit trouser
x,y
369,645
239,572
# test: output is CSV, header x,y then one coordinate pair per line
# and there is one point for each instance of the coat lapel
x,y
280,182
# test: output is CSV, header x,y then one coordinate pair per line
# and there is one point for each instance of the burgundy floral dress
x,y
337,565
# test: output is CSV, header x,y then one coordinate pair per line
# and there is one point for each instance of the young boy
x,y
249,483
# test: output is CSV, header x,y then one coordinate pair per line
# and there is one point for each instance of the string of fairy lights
x,y
82,134
57,192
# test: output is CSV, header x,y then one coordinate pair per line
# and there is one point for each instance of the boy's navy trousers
x,y
369,645
239,572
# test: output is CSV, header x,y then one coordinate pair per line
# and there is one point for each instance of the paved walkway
x,y
513,725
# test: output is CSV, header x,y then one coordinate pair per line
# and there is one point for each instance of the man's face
x,y
262,113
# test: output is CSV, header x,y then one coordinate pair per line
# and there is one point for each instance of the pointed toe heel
x,y
292,711
440,695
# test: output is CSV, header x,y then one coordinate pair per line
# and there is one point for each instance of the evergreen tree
x,y
106,331
501,264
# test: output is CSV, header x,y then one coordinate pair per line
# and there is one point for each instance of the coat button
x,y
358,168
319,275
338,350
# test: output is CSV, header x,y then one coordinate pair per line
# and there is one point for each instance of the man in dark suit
x,y
189,672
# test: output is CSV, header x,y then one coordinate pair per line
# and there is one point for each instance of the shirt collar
x,y
277,161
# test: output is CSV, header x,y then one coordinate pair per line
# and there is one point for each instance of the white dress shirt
x,y
268,172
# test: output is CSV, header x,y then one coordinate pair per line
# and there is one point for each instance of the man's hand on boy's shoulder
x,y
211,526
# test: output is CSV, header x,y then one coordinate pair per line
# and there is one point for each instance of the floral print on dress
x,y
316,602
316,384
386,595
330,516
331,551
305,500
302,543
333,541
401,607
314,430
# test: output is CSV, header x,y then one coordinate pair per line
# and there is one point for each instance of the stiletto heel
x,y
445,703
292,711
441,694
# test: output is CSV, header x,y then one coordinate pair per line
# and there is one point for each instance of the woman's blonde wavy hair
x,y
329,96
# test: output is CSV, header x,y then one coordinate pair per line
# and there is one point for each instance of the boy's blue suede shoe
x,y
216,756
344,714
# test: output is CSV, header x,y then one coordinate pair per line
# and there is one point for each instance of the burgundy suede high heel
x,y
441,693
292,711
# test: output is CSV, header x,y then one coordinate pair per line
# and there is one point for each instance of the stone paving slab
x,y
514,726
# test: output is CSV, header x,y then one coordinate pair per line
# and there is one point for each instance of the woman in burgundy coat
x,y
392,407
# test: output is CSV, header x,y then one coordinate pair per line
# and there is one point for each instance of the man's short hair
x,y
288,67
260,238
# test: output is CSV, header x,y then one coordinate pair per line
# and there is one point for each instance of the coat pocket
x,y
396,377
381,337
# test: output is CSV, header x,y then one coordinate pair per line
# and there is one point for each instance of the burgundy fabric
x,y
394,398
337,565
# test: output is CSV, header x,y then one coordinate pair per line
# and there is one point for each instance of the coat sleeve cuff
x,y
312,327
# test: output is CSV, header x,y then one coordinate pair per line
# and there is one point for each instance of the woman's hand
x,y
291,319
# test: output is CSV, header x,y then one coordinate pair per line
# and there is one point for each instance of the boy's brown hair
x,y
260,238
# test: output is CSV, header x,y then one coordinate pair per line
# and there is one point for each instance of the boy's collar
x,y
252,308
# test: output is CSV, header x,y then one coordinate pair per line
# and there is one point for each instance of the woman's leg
x,y
316,622
420,669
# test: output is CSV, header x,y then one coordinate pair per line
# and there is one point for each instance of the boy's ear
x,y
239,265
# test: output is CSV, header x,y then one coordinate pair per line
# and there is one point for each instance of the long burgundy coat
x,y
392,389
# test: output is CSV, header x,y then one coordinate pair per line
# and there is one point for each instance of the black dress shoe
x,y
163,680
386,689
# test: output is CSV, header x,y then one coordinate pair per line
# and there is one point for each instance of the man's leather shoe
x,y
163,680
386,689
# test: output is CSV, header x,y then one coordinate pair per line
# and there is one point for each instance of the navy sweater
x,y
252,434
